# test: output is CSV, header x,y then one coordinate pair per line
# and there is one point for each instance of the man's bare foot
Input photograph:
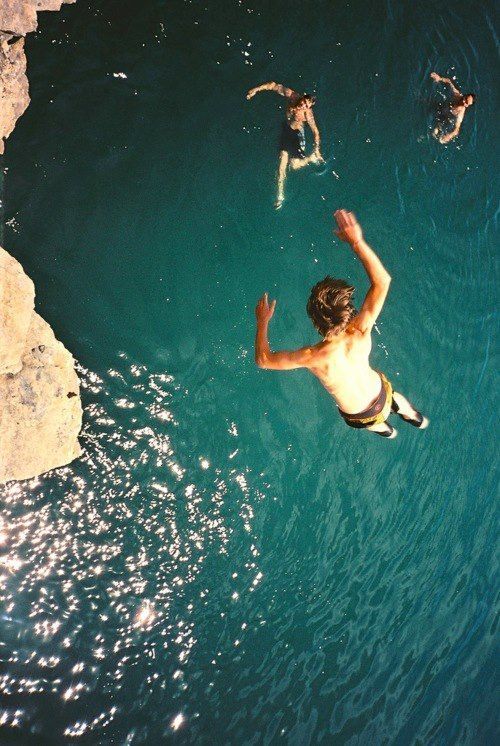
x,y
390,432
279,201
417,420
424,423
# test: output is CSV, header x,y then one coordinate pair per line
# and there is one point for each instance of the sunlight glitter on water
x,y
120,549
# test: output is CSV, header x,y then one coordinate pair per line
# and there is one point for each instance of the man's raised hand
x,y
349,229
264,310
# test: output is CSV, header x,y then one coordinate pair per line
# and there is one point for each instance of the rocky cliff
x,y
40,410
17,18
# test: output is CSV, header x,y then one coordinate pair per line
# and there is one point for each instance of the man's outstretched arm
x,y
439,79
264,358
350,231
276,87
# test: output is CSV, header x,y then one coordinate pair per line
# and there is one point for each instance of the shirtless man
x,y
364,396
292,141
451,111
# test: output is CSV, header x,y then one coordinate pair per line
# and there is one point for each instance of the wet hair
x,y
304,98
329,306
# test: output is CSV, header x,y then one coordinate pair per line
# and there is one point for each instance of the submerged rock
x,y
17,18
40,408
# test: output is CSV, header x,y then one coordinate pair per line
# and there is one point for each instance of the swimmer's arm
x,y
314,129
451,135
438,79
350,231
276,87
264,357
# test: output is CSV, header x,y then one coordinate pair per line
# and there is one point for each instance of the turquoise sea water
x,y
229,563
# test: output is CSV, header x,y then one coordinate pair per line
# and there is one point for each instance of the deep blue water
x,y
229,563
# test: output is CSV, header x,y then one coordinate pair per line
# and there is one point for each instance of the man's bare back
x,y
456,107
341,360
298,117
342,365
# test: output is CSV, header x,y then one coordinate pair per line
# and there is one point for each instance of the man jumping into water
x,y
364,397
451,112
292,141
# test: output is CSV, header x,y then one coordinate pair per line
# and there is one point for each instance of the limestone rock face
x,y
40,408
17,303
14,98
17,18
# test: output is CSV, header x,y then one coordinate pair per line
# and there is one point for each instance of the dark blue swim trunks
x,y
292,141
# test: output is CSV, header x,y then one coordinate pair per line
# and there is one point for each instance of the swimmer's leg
x,y
297,163
383,429
407,412
281,178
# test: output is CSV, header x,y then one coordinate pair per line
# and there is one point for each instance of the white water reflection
x,y
102,563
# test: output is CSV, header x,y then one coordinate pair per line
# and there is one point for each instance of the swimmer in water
x,y
292,140
364,397
451,112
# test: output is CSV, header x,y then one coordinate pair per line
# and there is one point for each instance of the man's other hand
x,y
349,229
264,310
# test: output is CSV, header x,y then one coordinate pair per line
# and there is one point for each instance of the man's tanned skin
x,y
341,360
298,114
457,108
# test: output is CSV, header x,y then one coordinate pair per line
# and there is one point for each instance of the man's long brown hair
x,y
329,306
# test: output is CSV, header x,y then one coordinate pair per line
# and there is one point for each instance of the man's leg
x,y
384,429
297,163
282,166
407,412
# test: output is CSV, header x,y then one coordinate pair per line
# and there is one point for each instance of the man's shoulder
x,y
315,353
356,333
327,349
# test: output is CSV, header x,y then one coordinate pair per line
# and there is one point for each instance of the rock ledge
x,y
17,18
40,408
